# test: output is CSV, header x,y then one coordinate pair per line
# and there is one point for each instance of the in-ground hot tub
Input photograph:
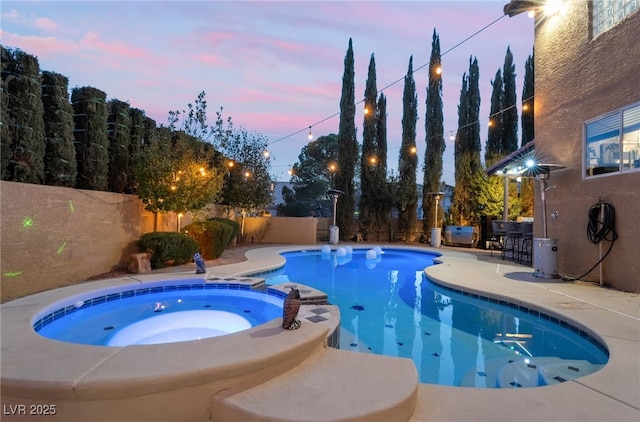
x,y
161,313
166,381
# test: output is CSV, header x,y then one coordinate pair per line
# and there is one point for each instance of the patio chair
x,y
512,240
526,250
497,238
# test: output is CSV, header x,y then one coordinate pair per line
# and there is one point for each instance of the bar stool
x,y
526,251
497,237
512,240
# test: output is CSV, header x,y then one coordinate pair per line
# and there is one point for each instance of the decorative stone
x,y
139,263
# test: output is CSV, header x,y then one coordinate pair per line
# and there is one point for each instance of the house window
x,y
612,142
607,13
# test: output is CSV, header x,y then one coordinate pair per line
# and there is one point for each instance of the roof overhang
x,y
514,164
522,163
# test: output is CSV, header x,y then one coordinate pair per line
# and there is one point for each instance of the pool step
x,y
485,376
332,385
522,373
566,370
532,372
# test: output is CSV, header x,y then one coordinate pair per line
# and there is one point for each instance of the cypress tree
x,y
24,144
434,127
527,102
369,160
347,149
494,150
407,195
383,193
5,118
528,91
136,143
469,179
119,134
92,144
494,199
473,100
509,110
462,163
60,154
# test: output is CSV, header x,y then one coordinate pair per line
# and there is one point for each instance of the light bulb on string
x,y
436,68
310,135
266,153
451,137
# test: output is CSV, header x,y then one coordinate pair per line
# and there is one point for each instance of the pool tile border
x,y
211,284
531,311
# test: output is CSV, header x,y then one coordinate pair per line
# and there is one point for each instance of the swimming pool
x,y
163,313
389,307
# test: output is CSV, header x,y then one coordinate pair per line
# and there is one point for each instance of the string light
x,y
438,71
266,153
396,81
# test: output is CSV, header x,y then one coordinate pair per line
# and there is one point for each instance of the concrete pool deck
x,y
611,394
308,386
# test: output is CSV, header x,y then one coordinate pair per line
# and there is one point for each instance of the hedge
x,y
168,248
212,237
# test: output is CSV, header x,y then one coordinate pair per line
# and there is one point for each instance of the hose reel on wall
x,y
601,226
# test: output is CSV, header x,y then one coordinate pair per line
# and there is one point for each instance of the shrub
x,y
167,247
234,226
212,237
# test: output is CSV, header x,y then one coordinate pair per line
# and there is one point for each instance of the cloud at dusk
x,y
275,67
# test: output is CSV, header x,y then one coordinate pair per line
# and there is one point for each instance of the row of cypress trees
x,y
88,142
46,139
474,193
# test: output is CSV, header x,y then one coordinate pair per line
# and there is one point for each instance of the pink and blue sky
x,y
274,66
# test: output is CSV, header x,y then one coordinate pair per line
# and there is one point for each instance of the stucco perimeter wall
x,y
53,236
577,79
294,230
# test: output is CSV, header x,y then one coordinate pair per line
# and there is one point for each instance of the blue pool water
x,y
160,315
389,307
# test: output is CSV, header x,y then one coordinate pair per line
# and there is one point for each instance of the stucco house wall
x,y
578,78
